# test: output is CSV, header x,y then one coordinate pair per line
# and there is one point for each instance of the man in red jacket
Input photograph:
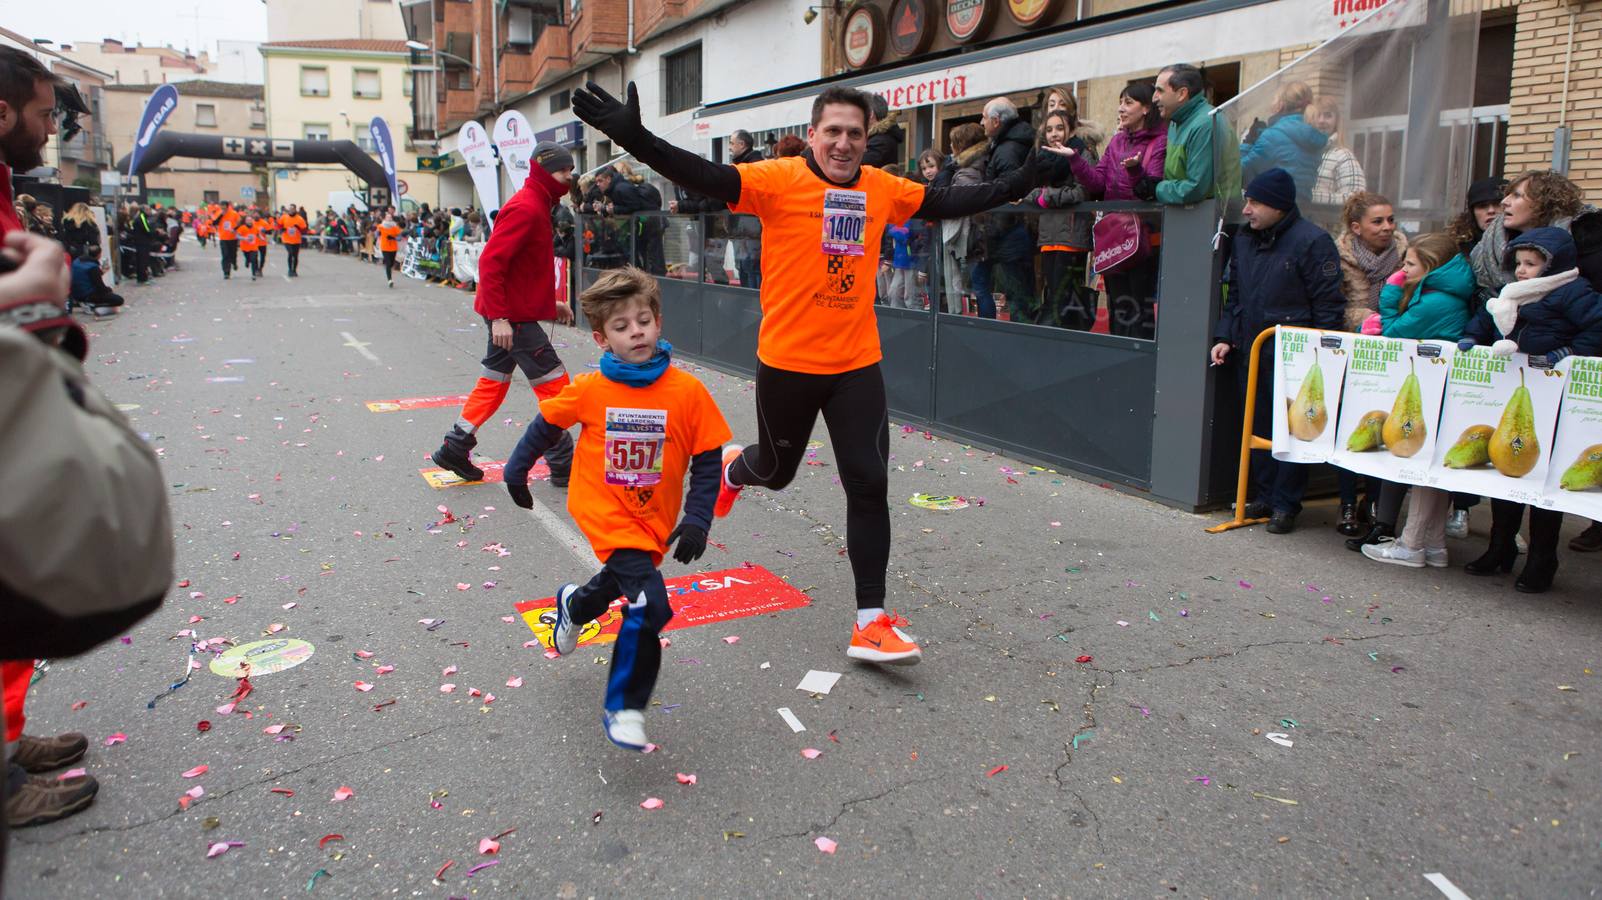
x,y
516,292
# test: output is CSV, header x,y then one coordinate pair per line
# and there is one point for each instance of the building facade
x,y
204,107
139,64
303,20
331,89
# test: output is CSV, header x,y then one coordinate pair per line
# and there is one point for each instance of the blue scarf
x,y
638,374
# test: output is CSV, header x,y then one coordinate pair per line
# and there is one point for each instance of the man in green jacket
x,y
1196,167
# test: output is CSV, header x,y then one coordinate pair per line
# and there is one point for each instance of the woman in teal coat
x,y
1428,300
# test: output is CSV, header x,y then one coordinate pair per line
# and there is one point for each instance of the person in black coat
x,y
1008,267
885,136
1550,311
1284,271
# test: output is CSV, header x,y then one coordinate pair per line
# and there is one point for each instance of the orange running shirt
x,y
227,221
820,260
634,447
386,237
247,236
293,226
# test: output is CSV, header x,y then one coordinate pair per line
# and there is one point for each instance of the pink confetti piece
x,y
118,738
276,627
226,709
72,773
515,682
195,620
651,803
1204,780
463,586
364,654
221,847
1122,624
665,642
474,692
272,729
732,639
811,753
197,595
508,619
342,794
195,793
685,779
384,670
481,866
551,654
826,845
1056,524
449,671
363,686
651,748
447,688
290,605
487,846
1245,584
197,771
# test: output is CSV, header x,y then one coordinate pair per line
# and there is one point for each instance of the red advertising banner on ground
x,y
698,599
409,403
439,478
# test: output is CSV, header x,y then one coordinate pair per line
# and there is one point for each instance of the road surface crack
x,y
846,807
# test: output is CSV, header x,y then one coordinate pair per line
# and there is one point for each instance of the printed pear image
x,y
1473,448
1367,435
1514,447
1307,413
1586,473
1404,429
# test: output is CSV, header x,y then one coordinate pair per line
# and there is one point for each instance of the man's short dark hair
x,y
881,106
744,137
20,74
1186,76
842,95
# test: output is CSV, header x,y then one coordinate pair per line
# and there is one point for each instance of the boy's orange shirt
x,y
386,237
247,236
293,227
634,447
820,261
227,221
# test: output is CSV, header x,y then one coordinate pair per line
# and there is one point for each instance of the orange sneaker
x,y
727,494
883,641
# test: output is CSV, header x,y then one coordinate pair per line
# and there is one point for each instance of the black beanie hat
x,y
1275,188
552,157
1487,190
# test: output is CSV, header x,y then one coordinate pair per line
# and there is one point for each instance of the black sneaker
x,y
1589,540
1282,523
1257,509
1376,533
453,460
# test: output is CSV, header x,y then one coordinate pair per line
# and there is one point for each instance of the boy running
x,y
823,214
226,221
516,292
293,225
250,243
642,424
389,245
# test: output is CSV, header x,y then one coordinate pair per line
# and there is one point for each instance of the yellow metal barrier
x,y
1248,442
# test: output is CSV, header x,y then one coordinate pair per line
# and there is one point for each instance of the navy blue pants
x,y
637,655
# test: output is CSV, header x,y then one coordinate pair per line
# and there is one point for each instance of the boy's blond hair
x,y
615,289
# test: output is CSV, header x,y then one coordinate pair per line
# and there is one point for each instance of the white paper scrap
x,y
818,682
1281,738
790,719
1445,886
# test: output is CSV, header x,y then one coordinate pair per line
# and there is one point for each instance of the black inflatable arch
x,y
260,150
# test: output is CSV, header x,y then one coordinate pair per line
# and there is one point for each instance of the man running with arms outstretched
x,y
822,217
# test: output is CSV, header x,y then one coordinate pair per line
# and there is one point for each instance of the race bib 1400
x,y
845,221
635,439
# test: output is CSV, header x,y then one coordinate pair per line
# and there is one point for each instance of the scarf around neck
x,y
1504,307
642,374
1376,267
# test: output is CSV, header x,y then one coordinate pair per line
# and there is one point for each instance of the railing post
x,y
1248,440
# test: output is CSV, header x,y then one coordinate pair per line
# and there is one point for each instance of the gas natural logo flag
x,y
163,100
385,148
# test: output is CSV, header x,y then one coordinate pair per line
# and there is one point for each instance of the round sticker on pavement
x,y
262,657
937,501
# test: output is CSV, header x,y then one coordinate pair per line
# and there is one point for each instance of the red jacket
x,y
8,210
517,270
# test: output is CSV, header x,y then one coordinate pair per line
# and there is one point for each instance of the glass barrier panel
x,y
733,250
607,242
681,247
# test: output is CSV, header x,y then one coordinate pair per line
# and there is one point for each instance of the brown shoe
x,y
1589,540
39,801
43,754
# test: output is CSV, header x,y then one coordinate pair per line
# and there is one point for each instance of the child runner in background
x,y
389,245
293,225
250,243
643,423
266,224
226,221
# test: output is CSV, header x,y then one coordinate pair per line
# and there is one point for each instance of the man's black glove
x,y
692,542
1145,187
520,495
618,121
1020,181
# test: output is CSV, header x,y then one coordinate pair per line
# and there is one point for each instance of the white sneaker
x,y
626,728
1457,524
1394,553
1436,557
1520,545
564,634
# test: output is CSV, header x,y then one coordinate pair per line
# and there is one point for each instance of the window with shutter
x,y
365,84
313,81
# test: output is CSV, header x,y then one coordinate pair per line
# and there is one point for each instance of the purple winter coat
x,y
1108,179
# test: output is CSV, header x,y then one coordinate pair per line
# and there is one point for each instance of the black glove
x,y
600,110
1145,187
1020,181
520,495
692,542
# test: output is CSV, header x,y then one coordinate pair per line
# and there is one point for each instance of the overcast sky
x,y
152,22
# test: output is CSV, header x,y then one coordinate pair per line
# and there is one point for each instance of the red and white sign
x,y
925,89
699,599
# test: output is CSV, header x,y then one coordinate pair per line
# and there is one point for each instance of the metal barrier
x,y
1248,441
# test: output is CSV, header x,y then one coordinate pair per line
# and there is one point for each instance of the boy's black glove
x,y
520,495
692,542
601,111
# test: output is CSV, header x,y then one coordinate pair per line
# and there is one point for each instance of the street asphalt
x,y
1253,716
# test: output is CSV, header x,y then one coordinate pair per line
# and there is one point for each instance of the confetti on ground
x,y
818,682
197,771
651,803
342,793
826,845
811,753
685,779
791,720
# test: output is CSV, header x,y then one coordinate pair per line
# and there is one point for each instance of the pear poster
x,y
1390,406
1497,426
1574,479
1306,391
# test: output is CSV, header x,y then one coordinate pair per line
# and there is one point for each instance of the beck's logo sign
x,y
969,20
